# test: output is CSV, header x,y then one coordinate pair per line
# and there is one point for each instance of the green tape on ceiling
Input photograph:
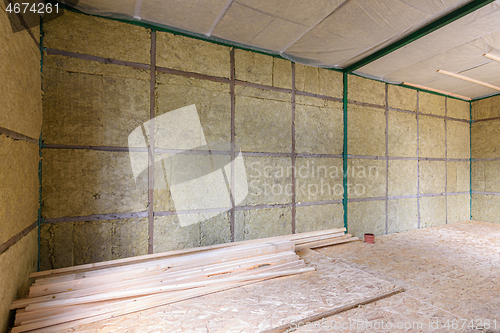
x,y
485,97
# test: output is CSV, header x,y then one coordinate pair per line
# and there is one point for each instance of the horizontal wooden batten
x,y
429,115
17,136
324,97
485,119
485,159
485,193
319,203
257,154
262,86
307,155
404,158
370,105
97,217
191,152
177,72
103,148
14,239
193,211
103,60
117,216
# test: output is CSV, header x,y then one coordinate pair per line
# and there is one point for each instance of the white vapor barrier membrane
x,y
458,48
325,33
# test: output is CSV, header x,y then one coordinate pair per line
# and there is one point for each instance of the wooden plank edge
x,y
289,326
147,257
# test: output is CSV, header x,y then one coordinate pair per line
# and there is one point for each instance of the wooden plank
x,y
149,257
75,323
224,254
164,289
139,304
327,242
43,313
289,326
216,269
115,275
318,238
167,279
250,251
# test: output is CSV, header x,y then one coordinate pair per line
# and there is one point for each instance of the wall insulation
x,y
408,158
140,161
485,147
20,126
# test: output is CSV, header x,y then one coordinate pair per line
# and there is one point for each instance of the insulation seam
x,y
219,18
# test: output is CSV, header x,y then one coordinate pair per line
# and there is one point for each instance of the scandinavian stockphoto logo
x,y
25,14
197,173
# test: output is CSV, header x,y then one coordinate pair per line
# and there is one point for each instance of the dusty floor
x,y
451,276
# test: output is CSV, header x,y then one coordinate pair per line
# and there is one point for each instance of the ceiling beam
x,y
468,79
433,26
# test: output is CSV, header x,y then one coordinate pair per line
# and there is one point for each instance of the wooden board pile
x,y
69,297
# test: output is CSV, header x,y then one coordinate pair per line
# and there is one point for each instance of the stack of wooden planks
x,y
69,297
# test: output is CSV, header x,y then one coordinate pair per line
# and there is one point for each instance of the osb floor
x,y
451,276
259,306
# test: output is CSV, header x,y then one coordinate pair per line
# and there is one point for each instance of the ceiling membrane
x,y
458,47
338,33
